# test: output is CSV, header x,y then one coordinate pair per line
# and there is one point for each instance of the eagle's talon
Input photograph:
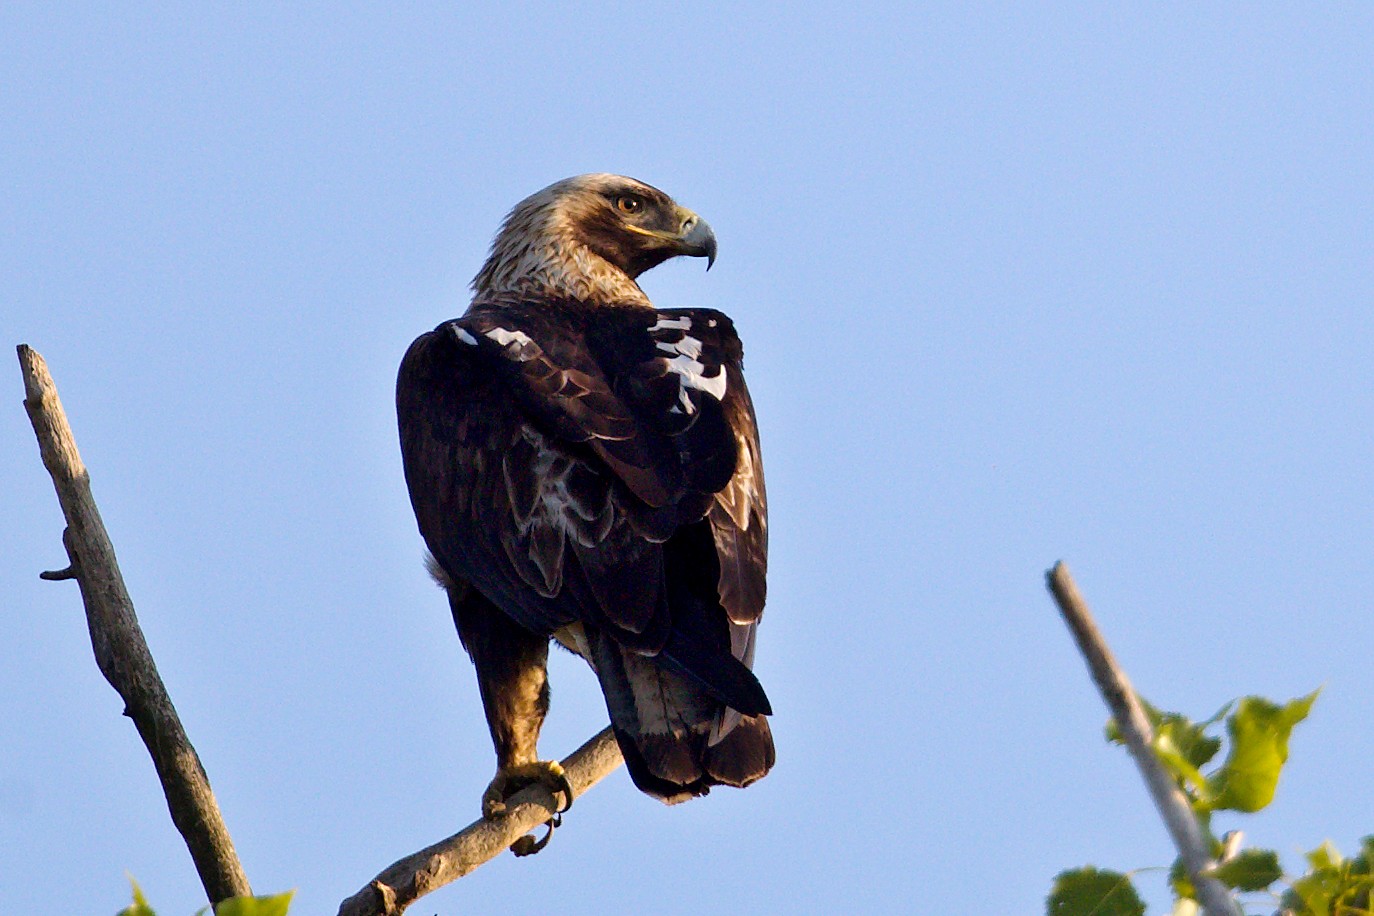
x,y
564,786
510,780
493,805
527,845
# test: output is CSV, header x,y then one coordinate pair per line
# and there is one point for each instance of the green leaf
x,y
1355,896
1321,891
1180,883
1177,763
1251,870
1182,745
1090,892
140,905
1259,731
1357,882
1353,899
1313,893
1152,714
255,906
1185,907
1195,745
1364,862
1325,856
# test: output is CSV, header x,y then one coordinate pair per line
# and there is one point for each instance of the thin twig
x,y
120,649
1135,728
448,860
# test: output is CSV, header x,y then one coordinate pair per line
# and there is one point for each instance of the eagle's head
x,y
589,237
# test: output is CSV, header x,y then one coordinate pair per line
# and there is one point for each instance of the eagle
x,y
585,467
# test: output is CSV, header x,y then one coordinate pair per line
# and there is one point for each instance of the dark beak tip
x,y
699,241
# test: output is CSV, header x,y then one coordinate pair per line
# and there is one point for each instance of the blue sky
x,y
1017,283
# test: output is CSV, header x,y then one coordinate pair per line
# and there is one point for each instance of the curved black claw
x,y
527,845
565,787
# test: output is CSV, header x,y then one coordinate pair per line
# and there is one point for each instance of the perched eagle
x,y
585,466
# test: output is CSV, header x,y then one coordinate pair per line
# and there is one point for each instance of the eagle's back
x,y
600,465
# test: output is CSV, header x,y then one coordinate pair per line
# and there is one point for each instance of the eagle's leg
x,y
512,676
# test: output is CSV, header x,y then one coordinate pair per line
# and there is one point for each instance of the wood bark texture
x,y
1135,727
120,649
431,868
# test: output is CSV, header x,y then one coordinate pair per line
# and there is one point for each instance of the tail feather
x,y
664,723
722,675
744,755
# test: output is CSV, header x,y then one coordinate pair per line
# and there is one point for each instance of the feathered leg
x,y
511,674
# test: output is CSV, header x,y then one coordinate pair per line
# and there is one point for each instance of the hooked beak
x,y
695,237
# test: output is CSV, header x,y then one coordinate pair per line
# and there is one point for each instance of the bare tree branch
x,y
448,860
120,649
1135,728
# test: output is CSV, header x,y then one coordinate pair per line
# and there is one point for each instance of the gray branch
x,y
1135,728
448,860
120,649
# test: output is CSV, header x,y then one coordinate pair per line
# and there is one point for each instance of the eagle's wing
x,y
460,431
700,349
738,513
565,457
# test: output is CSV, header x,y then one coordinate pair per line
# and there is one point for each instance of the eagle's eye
x,y
629,203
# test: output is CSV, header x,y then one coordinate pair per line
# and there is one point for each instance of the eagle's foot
x,y
510,780
527,845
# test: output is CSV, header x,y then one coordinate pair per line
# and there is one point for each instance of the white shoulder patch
x,y
671,324
517,344
691,374
505,337
685,361
687,346
463,335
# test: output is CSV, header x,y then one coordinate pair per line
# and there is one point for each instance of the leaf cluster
x,y
275,905
1090,891
1334,885
1257,731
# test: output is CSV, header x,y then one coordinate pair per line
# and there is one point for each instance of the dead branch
x,y
1139,735
448,860
120,649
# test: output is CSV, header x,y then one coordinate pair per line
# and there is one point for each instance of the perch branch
x,y
1139,735
448,860
120,649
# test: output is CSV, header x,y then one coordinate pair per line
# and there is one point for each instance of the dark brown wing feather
x,y
739,517
602,466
